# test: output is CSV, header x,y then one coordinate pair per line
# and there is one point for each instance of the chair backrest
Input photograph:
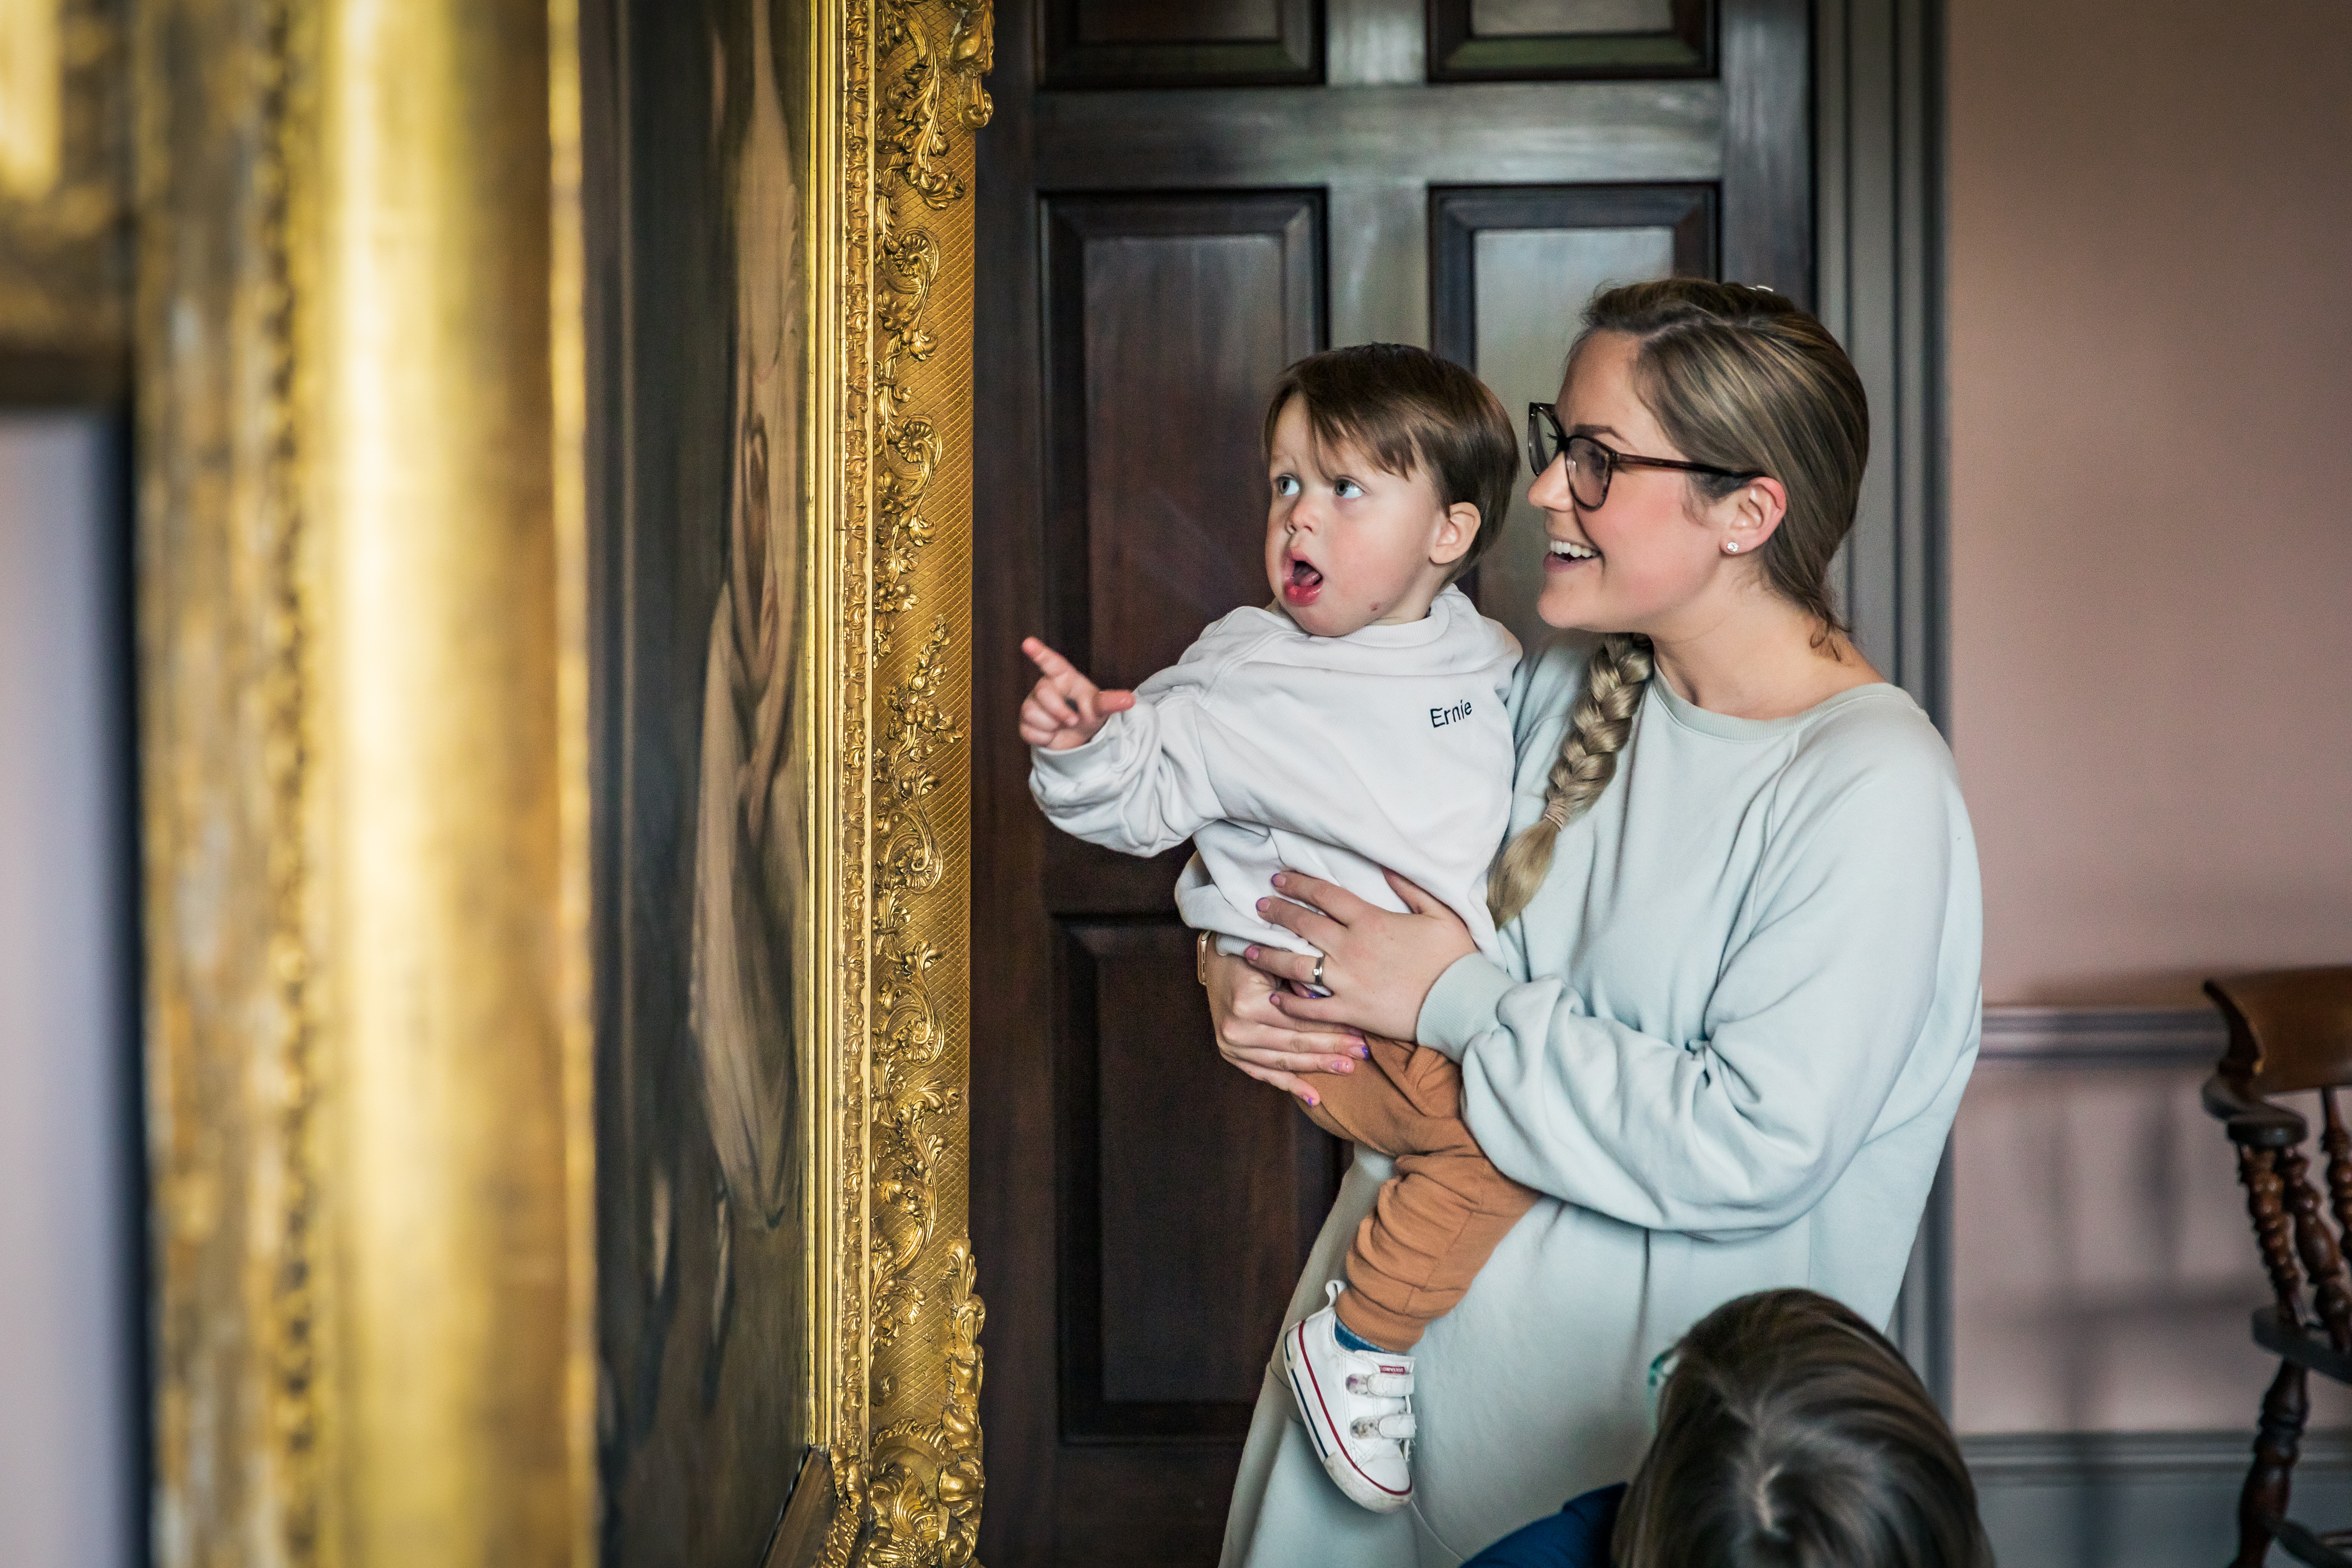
x,y
2289,1030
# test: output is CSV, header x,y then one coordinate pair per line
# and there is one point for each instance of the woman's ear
x,y
1457,531
1755,508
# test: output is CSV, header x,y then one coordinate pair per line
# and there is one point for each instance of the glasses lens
x,y
1588,471
1542,447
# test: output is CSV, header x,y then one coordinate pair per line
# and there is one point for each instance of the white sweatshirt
x,y
1335,756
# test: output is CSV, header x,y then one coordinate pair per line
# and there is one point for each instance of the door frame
x,y
1878,284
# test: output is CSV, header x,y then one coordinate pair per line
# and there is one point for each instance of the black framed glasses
x,y
1592,465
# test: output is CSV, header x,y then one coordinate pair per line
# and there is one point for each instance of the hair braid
x,y
1598,728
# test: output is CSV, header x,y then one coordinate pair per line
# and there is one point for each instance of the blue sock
x,y
1355,1341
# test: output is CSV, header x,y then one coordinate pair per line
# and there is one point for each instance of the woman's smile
x,y
1568,554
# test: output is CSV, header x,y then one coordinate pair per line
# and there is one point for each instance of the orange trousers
x,y
1444,1213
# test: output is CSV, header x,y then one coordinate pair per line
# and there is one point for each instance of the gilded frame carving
x,y
909,1358
366,621
65,254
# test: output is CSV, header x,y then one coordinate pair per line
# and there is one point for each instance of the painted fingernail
x,y
1250,954
1363,1053
1263,905
1280,879
1312,1101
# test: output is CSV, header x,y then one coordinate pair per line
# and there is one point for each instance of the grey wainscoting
x,y
2141,1498
2137,1499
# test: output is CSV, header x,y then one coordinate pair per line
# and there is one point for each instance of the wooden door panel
x,y
1161,1506
1504,255
1179,21
1167,318
1553,18
1176,1172
1182,43
1526,40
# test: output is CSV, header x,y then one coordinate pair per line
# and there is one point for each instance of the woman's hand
x,y
1256,1038
1377,965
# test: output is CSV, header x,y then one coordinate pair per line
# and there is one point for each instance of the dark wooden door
x,y
1177,198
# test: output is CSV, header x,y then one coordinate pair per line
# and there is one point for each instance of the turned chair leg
x,y
2276,1444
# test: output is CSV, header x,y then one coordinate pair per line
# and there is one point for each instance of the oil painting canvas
x,y
705,955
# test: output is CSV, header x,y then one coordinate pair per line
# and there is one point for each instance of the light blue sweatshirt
x,y
1729,1039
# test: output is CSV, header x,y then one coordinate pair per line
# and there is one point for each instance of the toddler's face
x,y
1347,542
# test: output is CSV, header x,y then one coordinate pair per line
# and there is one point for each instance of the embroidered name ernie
x,y
1441,717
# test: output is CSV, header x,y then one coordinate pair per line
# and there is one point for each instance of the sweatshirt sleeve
x,y
1142,786
1827,984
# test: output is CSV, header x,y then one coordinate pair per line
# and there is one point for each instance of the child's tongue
x,y
1305,583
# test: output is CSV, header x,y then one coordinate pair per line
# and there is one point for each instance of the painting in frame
x,y
780,610
554,600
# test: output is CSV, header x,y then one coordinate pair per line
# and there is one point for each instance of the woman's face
x,y
1645,557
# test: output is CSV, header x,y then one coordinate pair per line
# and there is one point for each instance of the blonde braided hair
x,y
1598,728
1743,379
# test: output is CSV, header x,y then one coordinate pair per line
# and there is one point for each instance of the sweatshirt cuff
x,y
1072,766
1461,1006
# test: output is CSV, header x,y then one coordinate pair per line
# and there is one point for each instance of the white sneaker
x,y
1358,1406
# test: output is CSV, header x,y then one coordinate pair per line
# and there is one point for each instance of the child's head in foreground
x,y
1793,1434
1390,470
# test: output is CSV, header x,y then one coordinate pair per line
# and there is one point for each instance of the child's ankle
x,y
1384,1339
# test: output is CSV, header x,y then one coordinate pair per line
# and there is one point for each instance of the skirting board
x,y
2137,1499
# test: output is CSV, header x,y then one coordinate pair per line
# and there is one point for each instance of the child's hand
x,y
1064,708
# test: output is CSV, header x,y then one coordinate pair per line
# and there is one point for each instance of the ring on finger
x,y
1315,980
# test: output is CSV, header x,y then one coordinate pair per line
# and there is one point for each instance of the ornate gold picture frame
x,y
554,580
64,252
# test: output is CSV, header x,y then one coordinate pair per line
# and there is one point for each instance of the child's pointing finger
x,y
1052,664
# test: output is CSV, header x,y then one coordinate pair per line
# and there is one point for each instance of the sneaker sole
x,y
1324,1432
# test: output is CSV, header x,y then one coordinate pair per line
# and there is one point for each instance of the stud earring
x,y
1731,547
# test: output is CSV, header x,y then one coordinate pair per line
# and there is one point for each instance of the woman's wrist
x,y
1462,1004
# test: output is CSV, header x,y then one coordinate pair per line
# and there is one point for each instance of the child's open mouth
x,y
1304,584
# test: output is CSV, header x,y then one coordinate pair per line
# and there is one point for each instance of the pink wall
x,y
2151,488
66,1145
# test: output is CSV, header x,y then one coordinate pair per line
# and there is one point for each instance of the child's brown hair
x,y
1793,1434
1404,407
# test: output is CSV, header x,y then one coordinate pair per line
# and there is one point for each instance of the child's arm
x,y
1064,708
1139,786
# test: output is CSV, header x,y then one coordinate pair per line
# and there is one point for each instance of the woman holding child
x,y
1698,1033
1731,999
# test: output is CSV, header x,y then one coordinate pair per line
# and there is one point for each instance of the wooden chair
x,y
2289,1030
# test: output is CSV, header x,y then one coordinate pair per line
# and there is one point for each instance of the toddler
x,y
1790,1435
1358,722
